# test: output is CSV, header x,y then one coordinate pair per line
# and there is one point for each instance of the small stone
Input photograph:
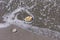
x,y
40,18
28,18
49,26
14,30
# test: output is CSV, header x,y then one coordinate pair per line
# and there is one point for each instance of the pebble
x,y
14,30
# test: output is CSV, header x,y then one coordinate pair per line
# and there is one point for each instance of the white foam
x,y
4,25
2,2
8,17
9,3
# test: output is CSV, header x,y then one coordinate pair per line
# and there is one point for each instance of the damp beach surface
x,y
45,14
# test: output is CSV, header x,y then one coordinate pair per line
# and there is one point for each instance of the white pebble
x,y
14,30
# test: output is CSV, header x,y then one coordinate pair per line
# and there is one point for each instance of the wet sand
x,y
6,34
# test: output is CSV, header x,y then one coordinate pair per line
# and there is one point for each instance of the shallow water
x,y
45,15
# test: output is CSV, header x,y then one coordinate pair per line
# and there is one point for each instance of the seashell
x,y
28,18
